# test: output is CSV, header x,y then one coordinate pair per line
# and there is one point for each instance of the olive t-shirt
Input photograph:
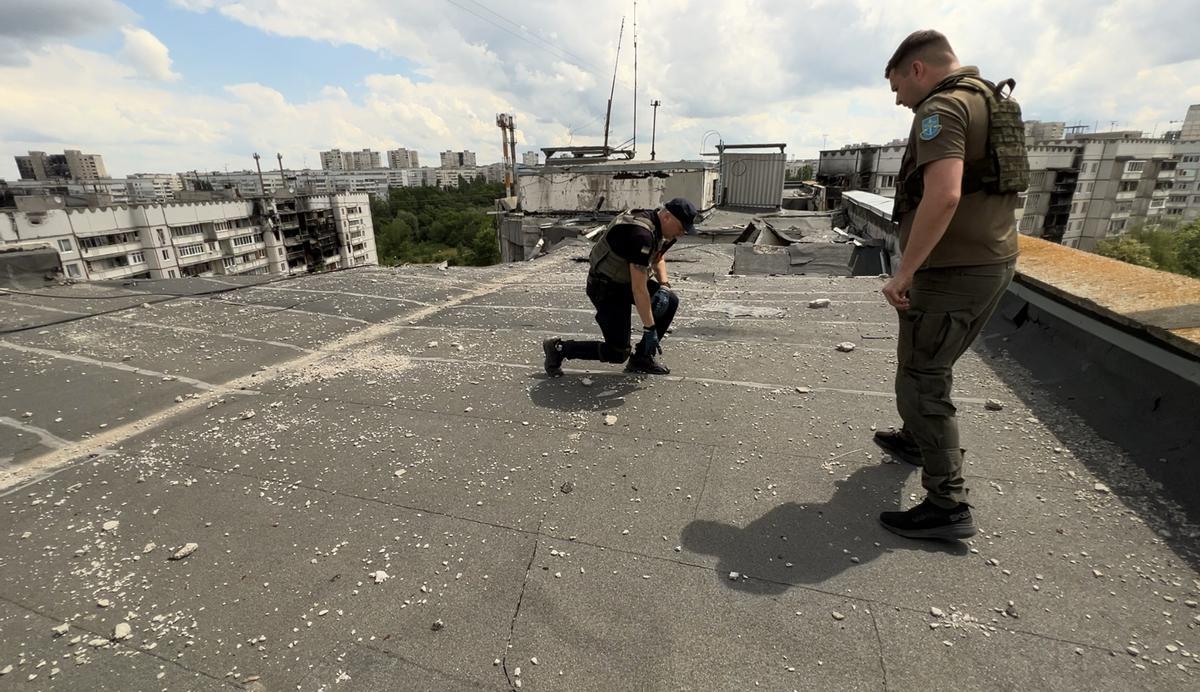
x,y
954,124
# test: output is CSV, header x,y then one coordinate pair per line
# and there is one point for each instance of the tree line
x,y
420,225
1171,248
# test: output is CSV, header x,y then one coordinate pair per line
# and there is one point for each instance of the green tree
x,y
1188,249
429,224
1127,249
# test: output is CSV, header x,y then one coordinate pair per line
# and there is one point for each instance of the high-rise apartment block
x,y
69,165
458,159
403,158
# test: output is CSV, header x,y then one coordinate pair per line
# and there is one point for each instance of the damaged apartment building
x,y
273,235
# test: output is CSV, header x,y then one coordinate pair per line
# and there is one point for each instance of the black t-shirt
x,y
635,244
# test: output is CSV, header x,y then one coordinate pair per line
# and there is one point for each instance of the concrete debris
x,y
845,347
122,632
610,419
993,405
110,525
248,415
437,626
819,303
734,576
937,612
586,382
803,390
6,669
735,310
186,550
103,602
149,548
61,629
567,488
1102,488
400,472
838,616
379,576
97,642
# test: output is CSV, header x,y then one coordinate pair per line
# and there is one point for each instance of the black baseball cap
x,y
685,211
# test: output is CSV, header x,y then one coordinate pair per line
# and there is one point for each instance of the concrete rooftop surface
x,y
384,492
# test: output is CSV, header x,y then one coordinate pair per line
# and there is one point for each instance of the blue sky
x,y
174,85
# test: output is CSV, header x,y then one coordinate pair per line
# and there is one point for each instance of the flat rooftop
x,y
385,490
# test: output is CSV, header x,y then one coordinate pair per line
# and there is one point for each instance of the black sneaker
x,y
554,356
647,365
927,520
900,444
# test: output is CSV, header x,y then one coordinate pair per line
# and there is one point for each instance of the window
x,y
887,181
1128,186
191,250
243,240
1094,167
1037,178
1175,212
73,271
1027,223
1155,203
64,245
181,231
1117,226
1178,199
137,257
1032,200
1190,159
166,254
1135,166
1125,207
173,274
229,262
161,239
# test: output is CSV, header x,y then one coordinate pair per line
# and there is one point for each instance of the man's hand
x,y
896,290
649,345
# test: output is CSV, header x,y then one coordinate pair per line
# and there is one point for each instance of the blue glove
x,y
649,346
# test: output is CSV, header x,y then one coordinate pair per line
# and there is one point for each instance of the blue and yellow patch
x,y
930,127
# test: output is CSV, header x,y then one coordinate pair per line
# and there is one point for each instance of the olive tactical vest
x,y
609,264
1005,166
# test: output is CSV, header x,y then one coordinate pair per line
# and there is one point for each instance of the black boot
x,y
928,520
554,357
647,365
901,445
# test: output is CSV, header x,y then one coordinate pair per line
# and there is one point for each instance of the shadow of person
x,y
569,393
798,543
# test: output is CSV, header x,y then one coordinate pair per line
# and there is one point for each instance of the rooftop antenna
x,y
634,78
611,91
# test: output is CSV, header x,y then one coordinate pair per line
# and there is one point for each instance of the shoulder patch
x,y
646,250
930,127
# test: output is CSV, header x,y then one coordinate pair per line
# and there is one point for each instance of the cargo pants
x,y
948,309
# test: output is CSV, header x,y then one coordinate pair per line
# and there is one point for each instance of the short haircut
x,y
927,45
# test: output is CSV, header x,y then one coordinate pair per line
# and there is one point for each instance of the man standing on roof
x,y
955,198
628,269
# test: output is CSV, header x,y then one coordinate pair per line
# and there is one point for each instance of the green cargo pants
x,y
948,308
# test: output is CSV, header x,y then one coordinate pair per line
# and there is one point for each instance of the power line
x,y
581,61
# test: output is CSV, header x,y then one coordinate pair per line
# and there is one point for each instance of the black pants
x,y
614,303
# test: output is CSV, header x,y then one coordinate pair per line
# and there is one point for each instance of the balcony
x,y
206,256
110,250
227,233
114,272
1166,174
1118,215
1158,194
1131,175
1127,195
243,267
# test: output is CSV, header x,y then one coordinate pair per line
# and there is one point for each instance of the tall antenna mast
x,y
635,78
608,113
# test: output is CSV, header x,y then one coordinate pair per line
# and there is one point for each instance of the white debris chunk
x,y
61,629
185,551
937,612
610,419
248,415
734,576
6,669
103,602
845,347
97,642
586,382
400,472
110,525
122,632
379,576
1101,488
993,405
838,616
149,548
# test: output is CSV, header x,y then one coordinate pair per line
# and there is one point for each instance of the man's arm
x,y
641,295
943,188
660,270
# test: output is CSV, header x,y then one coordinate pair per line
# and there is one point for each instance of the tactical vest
x,y
609,264
1004,167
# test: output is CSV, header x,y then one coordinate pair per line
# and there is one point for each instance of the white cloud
x,y
28,25
146,54
770,70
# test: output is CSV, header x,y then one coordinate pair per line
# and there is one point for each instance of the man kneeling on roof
x,y
628,269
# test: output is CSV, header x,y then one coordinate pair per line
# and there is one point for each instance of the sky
x,y
177,85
